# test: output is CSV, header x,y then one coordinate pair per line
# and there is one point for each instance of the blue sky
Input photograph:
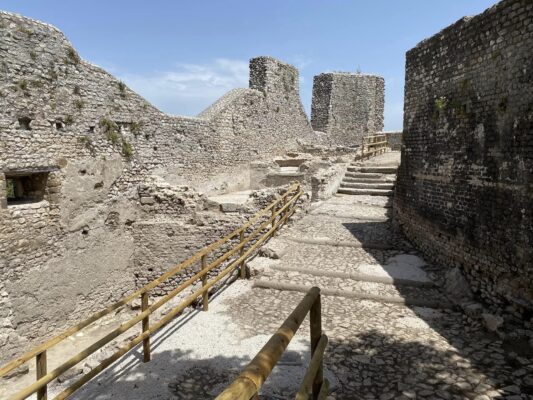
x,y
183,55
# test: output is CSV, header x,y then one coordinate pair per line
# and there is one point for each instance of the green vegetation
x,y
72,56
127,149
33,55
136,127
23,29
440,103
76,90
111,130
459,108
122,89
69,120
86,140
113,137
10,189
79,104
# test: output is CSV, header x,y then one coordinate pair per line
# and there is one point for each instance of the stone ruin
x,y
100,192
348,105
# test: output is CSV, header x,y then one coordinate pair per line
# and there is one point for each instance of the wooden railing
x,y
247,385
374,145
244,241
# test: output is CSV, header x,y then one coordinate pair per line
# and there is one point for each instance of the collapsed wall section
x,y
464,190
348,106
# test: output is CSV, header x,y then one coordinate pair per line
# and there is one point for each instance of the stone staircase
x,y
369,180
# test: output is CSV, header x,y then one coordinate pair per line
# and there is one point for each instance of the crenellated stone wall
x,y
464,193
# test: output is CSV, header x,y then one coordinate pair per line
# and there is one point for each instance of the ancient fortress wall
x,y
348,106
464,191
101,166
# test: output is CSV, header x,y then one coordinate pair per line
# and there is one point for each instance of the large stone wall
x,y
464,191
102,152
348,106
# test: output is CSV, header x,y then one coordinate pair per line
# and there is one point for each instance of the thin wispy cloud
x,y
187,89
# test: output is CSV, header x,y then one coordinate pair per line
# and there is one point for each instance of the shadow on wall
x,y
480,360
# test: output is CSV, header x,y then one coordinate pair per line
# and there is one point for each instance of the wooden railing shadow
x,y
249,382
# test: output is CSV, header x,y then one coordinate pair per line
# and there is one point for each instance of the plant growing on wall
x,y
135,127
127,149
72,56
110,129
122,89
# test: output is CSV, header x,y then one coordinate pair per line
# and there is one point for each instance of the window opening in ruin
x,y
24,123
28,188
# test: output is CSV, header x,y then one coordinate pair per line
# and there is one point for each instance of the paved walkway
x,y
378,349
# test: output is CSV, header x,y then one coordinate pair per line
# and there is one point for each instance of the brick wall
x,y
464,190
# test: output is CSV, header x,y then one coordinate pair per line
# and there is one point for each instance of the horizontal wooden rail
x,y
374,144
247,385
276,214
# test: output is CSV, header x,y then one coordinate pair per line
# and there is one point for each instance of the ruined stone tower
x,y
348,106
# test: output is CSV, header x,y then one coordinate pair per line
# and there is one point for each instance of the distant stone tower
x,y
348,106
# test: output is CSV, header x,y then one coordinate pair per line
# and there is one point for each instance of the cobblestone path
x,y
380,350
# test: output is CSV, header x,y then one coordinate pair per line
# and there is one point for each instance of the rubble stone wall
x,y
464,189
105,151
348,106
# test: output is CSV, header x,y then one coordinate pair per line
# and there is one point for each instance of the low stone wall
x,y
464,191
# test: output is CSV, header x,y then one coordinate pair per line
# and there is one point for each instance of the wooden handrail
x,y
373,144
284,212
247,385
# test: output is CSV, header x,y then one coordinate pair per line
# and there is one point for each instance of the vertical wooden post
x,y
242,267
40,363
273,220
145,327
315,317
205,295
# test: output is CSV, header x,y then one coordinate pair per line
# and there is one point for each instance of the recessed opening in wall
x,y
24,123
25,188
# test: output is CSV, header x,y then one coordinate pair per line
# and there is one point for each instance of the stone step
x,y
389,276
363,175
368,192
364,185
384,179
361,290
379,170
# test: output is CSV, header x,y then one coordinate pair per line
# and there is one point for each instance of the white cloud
x,y
187,89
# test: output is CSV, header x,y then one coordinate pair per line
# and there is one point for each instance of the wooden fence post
x,y
273,220
40,363
242,267
145,327
205,295
315,318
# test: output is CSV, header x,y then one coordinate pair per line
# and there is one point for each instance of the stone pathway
x,y
378,349
381,350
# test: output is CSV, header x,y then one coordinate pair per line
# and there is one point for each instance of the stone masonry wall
x,y
104,152
348,106
464,189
